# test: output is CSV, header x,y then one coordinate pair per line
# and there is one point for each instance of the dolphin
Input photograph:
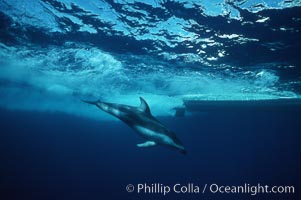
x,y
143,122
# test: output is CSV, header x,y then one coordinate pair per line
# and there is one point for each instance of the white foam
x,y
56,78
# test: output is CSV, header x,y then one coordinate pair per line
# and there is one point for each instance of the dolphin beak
x,y
90,102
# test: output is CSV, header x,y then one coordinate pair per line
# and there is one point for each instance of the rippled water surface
x,y
53,53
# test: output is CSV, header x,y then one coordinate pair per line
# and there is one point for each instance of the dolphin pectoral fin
x,y
147,144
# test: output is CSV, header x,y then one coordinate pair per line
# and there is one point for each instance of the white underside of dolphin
x,y
144,123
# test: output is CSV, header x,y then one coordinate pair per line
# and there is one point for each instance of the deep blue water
x,y
57,156
53,53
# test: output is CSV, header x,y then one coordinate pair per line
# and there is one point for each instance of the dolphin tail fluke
x,y
183,151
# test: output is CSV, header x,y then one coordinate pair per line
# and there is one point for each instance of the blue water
x,y
57,156
53,53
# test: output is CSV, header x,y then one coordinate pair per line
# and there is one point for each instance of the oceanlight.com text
x,y
213,188
251,189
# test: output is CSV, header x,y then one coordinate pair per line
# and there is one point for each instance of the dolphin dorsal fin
x,y
144,106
